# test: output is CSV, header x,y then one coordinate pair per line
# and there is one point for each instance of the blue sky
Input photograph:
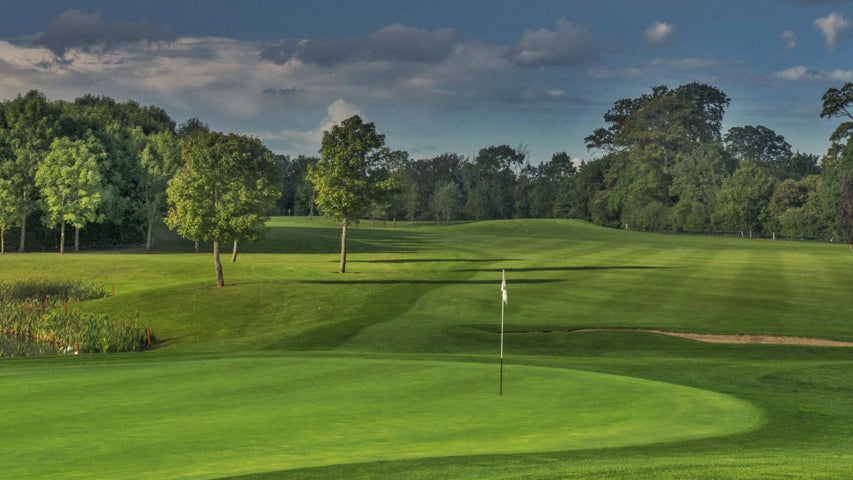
x,y
434,76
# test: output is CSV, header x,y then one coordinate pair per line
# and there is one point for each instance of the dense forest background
x,y
662,163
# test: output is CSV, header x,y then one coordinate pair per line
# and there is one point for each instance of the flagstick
x,y
502,348
503,305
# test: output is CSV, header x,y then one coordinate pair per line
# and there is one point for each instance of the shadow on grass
x,y
435,260
578,268
425,282
312,240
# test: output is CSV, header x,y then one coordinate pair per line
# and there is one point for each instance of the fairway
x,y
205,417
294,371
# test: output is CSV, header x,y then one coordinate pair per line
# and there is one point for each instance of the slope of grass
x,y
417,294
210,416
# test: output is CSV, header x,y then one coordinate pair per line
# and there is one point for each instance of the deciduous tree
x,y
221,191
158,162
8,210
743,198
759,144
32,123
839,103
845,212
445,201
349,174
71,185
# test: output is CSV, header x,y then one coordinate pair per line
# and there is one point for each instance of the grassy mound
x,y
216,416
419,313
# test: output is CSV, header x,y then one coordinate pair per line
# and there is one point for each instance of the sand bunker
x,y
761,339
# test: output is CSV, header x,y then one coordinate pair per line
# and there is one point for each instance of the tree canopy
x,y
224,189
71,185
350,173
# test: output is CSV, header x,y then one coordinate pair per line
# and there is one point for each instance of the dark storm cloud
x,y
73,29
392,43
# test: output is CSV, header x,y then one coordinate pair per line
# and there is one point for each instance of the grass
x,y
389,371
241,414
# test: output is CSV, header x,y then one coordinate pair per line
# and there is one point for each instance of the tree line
x,y
111,172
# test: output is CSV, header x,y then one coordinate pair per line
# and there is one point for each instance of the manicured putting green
x,y
207,418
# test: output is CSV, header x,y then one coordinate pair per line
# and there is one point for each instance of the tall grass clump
x,y
26,317
61,291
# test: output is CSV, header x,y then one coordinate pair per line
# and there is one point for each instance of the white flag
x,y
503,286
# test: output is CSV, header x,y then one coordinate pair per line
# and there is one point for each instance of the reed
x,y
26,316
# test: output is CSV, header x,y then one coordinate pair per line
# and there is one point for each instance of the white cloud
x,y
310,140
832,26
790,38
801,73
568,44
658,33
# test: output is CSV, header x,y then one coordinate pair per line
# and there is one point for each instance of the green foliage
x,y
489,182
446,201
348,175
837,103
845,211
351,174
36,311
672,119
225,189
742,199
71,183
8,210
758,144
31,123
158,162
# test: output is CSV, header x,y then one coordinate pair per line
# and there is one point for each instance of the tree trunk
x,y
220,281
343,268
148,236
234,252
76,239
62,238
23,231
195,246
2,241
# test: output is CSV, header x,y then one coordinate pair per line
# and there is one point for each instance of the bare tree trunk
x,y
234,252
2,241
148,236
62,238
23,231
76,239
220,281
343,268
195,246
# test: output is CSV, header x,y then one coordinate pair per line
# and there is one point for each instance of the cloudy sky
x,y
434,76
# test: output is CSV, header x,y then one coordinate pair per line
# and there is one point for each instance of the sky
x,y
433,76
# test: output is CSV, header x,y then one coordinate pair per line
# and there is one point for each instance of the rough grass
x,y
420,294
